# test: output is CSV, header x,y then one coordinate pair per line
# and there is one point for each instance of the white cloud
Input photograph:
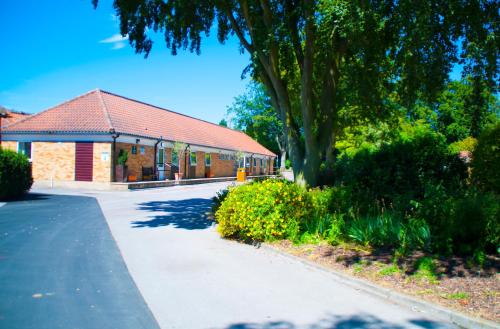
x,y
117,40
118,45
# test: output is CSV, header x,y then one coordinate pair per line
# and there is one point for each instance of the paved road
x,y
192,279
61,268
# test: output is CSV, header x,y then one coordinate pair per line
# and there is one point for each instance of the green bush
x,y
486,160
262,211
15,174
396,174
476,222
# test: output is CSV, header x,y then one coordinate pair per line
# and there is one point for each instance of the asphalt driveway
x,y
60,268
191,278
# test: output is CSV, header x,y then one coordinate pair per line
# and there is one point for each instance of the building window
x,y
255,162
208,159
261,163
142,150
134,149
24,148
192,158
247,162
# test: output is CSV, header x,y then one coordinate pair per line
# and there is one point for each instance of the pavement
x,y
191,278
61,268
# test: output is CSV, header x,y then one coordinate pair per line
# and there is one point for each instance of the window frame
x,y
23,150
142,150
191,163
209,157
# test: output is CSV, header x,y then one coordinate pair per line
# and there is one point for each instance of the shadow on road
x,y
363,321
189,214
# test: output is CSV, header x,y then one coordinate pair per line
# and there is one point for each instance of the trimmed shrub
x,y
486,160
262,211
15,174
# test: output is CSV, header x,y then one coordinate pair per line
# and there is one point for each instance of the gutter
x,y
114,136
155,165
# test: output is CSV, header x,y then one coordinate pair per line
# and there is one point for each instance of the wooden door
x,y
84,161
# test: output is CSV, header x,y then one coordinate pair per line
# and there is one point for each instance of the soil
x,y
454,282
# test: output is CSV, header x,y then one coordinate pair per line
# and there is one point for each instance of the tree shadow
x,y
27,197
361,321
188,214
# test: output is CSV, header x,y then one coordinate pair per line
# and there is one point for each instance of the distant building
x,y
80,140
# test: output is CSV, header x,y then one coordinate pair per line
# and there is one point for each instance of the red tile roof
x,y
100,111
13,116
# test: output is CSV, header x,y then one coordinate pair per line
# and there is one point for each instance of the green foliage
x,y
223,123
466,144
288,164
317,58
253,114
396,175
15,174
267,210
122,157
486,160
464,109
426,270
390,270
219,197
475,222
388,230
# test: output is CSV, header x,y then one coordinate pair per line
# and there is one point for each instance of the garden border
x,y
454,317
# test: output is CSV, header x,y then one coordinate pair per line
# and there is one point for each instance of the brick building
x,y
80,140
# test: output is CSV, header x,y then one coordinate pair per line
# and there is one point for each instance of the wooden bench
x,y
148,173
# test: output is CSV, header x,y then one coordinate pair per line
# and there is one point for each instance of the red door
x,y
84,161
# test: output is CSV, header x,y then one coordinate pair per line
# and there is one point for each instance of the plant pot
x,y
178,176
121,173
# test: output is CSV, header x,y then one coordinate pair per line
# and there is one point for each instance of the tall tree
x,y
253,113
317,56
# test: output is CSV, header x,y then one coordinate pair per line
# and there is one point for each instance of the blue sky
x,y
55,50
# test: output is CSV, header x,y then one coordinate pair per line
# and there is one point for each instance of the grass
x,y
390,270
456,296
426,270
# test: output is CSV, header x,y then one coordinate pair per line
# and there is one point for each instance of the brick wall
x,y
8,145
200,164
136,161
222,168
53,161
102,162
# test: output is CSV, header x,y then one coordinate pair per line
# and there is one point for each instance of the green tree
x,y
464,109
253,114
318,56
223,123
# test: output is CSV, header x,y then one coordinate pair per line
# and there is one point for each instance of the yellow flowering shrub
x,y
262,211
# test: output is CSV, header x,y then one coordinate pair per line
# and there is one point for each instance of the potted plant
x,y
179,148
121,167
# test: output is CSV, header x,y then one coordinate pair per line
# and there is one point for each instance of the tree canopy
x,y
319,58
253,114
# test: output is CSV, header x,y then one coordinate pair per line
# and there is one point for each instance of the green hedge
x,y
15,174
486,160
